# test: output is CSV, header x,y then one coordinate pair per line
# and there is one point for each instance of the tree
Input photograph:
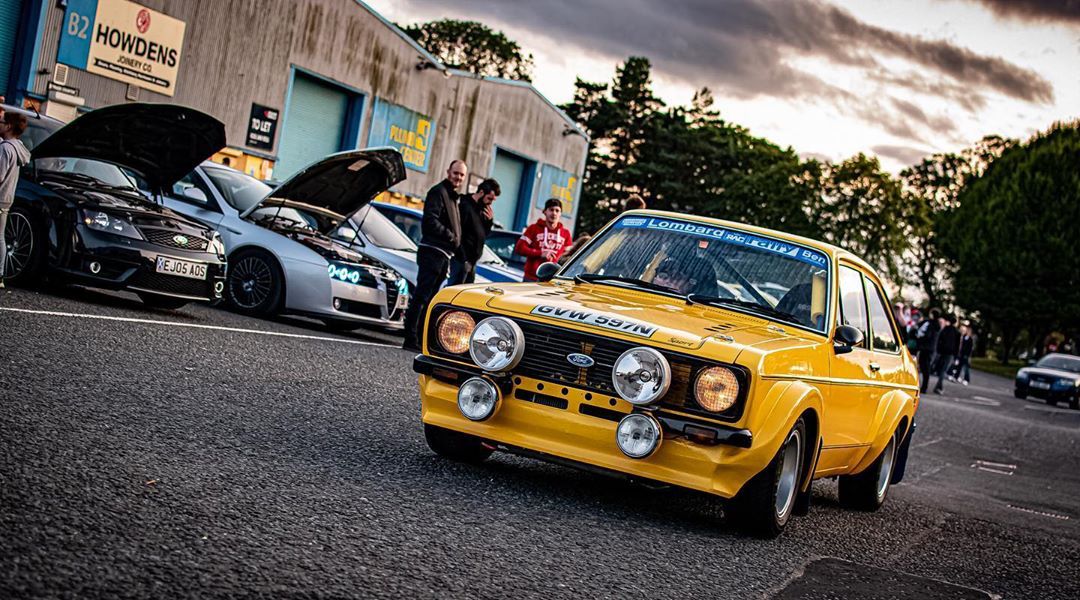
x,y
473,47
932,187
863,210
1014,238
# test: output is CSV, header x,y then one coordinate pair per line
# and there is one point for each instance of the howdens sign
x,y
123,41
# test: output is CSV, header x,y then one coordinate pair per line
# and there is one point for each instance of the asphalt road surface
x,y
198,453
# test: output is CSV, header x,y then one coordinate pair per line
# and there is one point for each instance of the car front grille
x,y
545,358
170,284
174,239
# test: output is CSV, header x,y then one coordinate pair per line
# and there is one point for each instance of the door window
x,y
884,335
853,302
192,181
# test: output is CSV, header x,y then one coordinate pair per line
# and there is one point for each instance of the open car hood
x,y
341,183
161,142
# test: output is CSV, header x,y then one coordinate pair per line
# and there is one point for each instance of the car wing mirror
x,y
846,338
546,271
195,195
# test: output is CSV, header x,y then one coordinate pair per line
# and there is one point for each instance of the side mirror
x,y
195,195
346,233
847,337
547,271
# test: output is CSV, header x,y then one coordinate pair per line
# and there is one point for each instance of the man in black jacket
x,y
926,338
440,238
477,218
948,346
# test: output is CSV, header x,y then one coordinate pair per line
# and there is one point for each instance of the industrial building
x,y
295,80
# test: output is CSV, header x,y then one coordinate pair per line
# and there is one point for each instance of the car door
x,y
852,397
889,361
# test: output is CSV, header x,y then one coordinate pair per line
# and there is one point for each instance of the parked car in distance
x,y
653,353
282,256
490,267
79,218
1054,378
502,242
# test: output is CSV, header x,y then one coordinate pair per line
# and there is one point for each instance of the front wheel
x,y
1051,402
765,503
454,445
25,248
163,302
867,490
1020,395
254,284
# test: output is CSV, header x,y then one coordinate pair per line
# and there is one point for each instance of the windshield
x,y
107,173
380,231
1061,363
711,264
240,190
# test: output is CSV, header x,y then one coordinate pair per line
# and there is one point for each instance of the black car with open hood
x,y
80,217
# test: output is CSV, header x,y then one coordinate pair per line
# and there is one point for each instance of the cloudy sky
x,y
830,78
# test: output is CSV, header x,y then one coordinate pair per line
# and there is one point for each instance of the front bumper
x,y
578,427
1055,393
131,265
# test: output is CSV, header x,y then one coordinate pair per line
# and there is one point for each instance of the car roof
x,y
399,208
32,114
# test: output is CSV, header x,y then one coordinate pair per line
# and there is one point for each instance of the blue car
x,y
490,267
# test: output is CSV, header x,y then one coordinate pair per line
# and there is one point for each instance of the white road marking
x,y
978,401
993,467
1039,512
930,443
193,326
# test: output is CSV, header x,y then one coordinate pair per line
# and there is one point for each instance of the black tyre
x,y
1074,403
1051,402
1019,394
26,248
867,490
764,505
454,445
163,302
255,284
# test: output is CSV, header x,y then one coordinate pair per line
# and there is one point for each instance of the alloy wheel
x,y
885,474
789,475
251,282
19,237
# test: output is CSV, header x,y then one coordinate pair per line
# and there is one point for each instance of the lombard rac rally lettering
x,y
727,236
586,317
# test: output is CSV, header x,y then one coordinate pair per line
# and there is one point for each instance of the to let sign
x,y
123,41
398,127
262,127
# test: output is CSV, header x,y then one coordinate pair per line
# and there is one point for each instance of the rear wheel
x,y
1019,394
25,247
255,283
764,505
455,445
164,302
867,490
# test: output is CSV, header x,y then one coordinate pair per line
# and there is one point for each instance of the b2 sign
x,y
123,41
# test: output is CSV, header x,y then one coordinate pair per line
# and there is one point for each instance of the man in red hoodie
x,y
544,240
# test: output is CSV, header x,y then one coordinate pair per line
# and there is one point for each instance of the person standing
x,y
13,156
440,237
948,347
545,240
961,371
926,339
477,217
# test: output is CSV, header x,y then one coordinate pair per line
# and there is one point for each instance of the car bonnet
x,y
342,183
161,142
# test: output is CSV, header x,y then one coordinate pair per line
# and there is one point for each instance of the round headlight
x,y
454,330
641,376
497,344
638,435
477,399
716,389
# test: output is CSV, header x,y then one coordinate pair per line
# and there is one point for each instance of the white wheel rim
x,y
789,475
885,474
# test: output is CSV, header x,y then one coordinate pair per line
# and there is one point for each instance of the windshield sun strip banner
x,y
727,236
586,317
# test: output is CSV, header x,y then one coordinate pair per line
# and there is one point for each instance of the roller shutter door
x,y
313,125
509,171
9,23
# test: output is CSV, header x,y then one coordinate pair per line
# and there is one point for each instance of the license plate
x,y
1039,385
183,268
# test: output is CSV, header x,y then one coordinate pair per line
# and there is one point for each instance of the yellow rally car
x,y
730,359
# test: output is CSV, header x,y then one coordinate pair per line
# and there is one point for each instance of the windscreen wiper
x,y
755,307
632,281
